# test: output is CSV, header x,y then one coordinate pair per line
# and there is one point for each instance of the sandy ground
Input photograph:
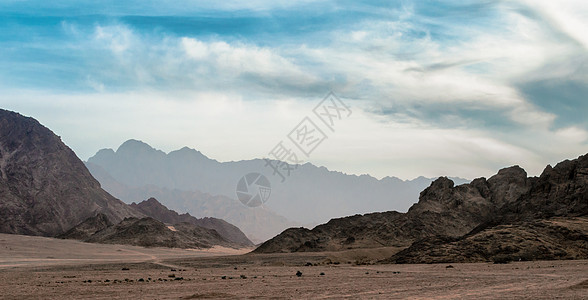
x,y
41,268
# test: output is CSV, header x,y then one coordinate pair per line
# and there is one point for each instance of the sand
x,y
43,268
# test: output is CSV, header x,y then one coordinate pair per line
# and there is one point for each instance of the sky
x,y
457,88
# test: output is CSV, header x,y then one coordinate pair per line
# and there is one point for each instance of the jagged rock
x,y
446,213
558,238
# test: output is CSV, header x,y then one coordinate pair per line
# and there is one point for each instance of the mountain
x,y
139,167
258,224
44,188
148,232
152,208
447,214
544,239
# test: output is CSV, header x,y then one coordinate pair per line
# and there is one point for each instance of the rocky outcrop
x,y
44,188
86,229
152,208
447,213
556,238
148,232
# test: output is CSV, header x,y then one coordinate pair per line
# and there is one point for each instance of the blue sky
x,y
457,88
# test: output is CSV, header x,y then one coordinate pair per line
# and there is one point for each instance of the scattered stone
x,y
141,280
171,275
449,267
179,278
224,277
298,273
125,269
308,264
322,274
243,276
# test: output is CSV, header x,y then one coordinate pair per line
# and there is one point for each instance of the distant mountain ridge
x,y
446,213
136,167
259,224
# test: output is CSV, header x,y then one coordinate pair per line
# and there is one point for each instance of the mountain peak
x,y
187,152
133,145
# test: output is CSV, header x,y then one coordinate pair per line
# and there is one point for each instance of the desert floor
x,y
44,268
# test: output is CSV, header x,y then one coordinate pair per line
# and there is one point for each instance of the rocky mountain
x,y
44,188
543,239
146,232
152,208
446,213
135,168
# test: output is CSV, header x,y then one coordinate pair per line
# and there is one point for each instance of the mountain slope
x,y
87,228
556,238
44,188
148,232
451,212
152,208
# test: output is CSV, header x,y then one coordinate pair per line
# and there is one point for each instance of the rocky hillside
x,y
451,212
86,229
152,208
547,239
146,232
44,188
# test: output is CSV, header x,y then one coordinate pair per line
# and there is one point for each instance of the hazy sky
x,y
457,88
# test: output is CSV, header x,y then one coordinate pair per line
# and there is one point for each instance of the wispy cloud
x,y
490,83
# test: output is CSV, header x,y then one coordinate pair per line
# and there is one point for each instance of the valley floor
x,y
40,268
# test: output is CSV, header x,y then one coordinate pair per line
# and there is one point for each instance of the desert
x,y
42,268
279,149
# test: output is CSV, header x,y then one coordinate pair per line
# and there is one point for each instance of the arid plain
x,y
45,268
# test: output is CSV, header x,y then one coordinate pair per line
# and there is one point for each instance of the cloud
x,y
466,87
243,61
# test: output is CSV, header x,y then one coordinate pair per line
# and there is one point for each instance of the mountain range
x,y
45,189
187,180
